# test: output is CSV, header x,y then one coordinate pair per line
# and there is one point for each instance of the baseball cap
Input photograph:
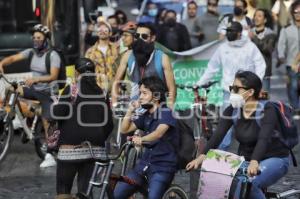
x,y
130,27
235,26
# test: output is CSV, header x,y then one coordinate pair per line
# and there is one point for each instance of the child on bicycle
x,y
256,143
158,162
83,114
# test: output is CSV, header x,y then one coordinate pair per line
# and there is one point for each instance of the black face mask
x,y
147,106
142,51
237,11
171,22
231,35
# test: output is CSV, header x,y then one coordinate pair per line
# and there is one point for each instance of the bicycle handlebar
x,y
14,84
205,86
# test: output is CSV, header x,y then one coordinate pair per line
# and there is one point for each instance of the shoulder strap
x,y
47,60
230,18
259,111
249,21
158,63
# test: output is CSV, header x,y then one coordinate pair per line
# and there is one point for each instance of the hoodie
x,y
231,57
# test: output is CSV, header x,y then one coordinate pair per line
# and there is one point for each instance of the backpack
x,y
230,19
157,61
62,70
185,149
288,134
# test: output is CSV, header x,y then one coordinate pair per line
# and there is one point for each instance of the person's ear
x,y
265,21
153,38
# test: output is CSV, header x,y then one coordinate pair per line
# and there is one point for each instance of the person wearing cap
x,y
38,87
237,53
91,123
128,31
104,54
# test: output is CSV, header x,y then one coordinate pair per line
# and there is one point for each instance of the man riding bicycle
x,y
38,87
158,162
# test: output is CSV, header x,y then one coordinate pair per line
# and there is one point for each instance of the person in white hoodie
x,y
237,53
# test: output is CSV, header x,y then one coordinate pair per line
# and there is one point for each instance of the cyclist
x,y
145,61
256,144
158,161
90,121
38,87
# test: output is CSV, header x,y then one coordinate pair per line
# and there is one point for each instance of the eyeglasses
x,y
236,89
212,4
296,11
143,36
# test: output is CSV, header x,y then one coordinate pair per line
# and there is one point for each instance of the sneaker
x,y
135,11
49,161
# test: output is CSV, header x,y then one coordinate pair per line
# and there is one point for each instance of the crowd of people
x,y
119,50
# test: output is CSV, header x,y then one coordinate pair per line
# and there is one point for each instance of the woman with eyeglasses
x,y
256,144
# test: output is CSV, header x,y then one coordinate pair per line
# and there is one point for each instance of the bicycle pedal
x,y
24,138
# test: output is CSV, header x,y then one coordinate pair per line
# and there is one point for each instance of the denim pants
x,y
227,139
272,169
293,87
158,183
267,84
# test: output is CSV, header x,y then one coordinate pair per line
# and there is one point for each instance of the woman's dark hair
x,y
87,66
251,81
295,4
192,2
156,86
124,20
268,17
157,18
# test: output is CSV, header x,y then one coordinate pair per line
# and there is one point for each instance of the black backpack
x,y
185,148
62,71
230,19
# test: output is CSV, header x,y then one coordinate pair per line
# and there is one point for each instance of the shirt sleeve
x,y
222,26
259,62
276,7
167,118
55,59
26,53
224,125
268,124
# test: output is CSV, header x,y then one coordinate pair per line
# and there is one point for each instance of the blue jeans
x,y
293,87
267,84
227,139
272,169
158,183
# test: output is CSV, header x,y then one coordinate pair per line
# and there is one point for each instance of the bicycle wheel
x,y
6,137
40,142
131,159
175,192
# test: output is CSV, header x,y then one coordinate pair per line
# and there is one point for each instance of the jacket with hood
x,y
234,56
289,43
265,41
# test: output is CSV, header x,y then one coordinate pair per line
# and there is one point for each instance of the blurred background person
x,y
193,25
281,14
150,14
122,17
265,39
128,32
173,35
251,7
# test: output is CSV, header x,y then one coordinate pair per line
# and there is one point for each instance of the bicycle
x,y
30,120
246,187
103,178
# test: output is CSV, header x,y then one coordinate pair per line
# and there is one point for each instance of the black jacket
x,y
92,110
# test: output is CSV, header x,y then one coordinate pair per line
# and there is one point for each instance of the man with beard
x,y
239,15
173,35
144,61
104,54
38,87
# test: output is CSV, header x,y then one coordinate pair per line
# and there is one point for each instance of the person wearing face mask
x,y
158,162
104,54
173,35
237,53
239,15
144,61
150,16
39,87
264,154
